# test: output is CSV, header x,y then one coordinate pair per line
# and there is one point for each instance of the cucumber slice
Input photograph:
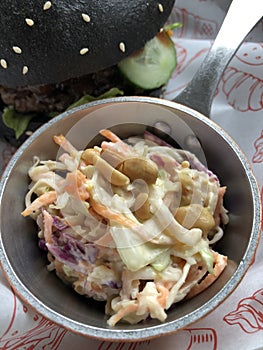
x,y
152,66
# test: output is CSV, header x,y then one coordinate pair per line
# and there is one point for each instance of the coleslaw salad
x,y
130,223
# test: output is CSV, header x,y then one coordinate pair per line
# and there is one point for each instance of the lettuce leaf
x,y
113,92
16,121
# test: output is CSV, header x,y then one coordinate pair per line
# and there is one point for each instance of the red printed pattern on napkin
x,y
253,55
122,346
249,313
186,62
244,92
43,334
202,339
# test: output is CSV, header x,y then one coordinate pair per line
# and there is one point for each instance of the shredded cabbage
x,y
140,258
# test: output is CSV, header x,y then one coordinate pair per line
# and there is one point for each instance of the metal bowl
x,y
24,264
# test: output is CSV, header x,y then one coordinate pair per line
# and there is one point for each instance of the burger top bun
x,y
46,42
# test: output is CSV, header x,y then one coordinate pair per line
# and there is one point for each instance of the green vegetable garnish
x,y
16,121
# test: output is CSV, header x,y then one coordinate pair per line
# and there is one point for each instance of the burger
x,y
59,53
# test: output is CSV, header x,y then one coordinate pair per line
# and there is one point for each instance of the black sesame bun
x,y
44,42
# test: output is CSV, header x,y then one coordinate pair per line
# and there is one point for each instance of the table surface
x,y
238,107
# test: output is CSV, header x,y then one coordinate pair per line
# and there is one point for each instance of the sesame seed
x,y
86,17
3,63
122,47
84,51
17,49
25,70
47,5
29,22
160,7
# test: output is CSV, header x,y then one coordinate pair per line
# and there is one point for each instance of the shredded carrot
x,y
48,222
169,284
163,294
110,135
45,199
111,215
95,214
59,266
124,148
122,313
75,185
65,144
220,263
